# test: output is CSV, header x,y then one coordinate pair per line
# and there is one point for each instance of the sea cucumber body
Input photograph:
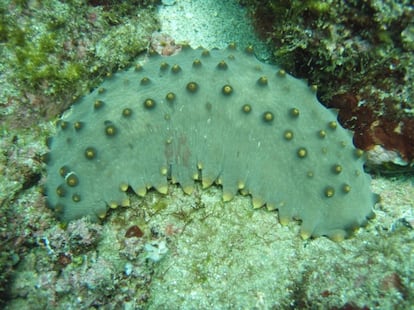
x,y
215,116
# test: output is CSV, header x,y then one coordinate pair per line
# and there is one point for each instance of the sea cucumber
x,y
218,116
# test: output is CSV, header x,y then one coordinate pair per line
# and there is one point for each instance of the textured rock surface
x,y
218,116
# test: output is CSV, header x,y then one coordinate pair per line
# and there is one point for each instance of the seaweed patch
x,y
218,116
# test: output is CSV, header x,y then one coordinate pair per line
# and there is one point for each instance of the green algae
x,y
62,49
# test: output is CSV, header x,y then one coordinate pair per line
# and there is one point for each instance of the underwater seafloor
x,y
164,252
